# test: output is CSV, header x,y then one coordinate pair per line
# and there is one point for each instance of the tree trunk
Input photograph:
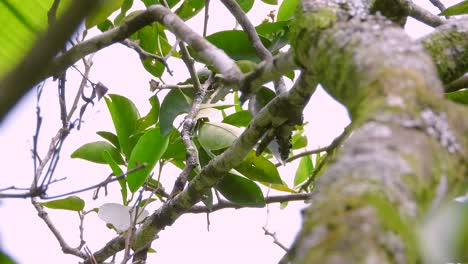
x,y
409,148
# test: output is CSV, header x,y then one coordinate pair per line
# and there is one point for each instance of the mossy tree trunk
x,y
408,151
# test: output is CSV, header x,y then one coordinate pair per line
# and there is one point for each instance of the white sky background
x,y
235,236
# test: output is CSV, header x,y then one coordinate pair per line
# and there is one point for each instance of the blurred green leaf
x,y
238,119
117,171
124,115
258,168
94,152
190,8
175,148
236,44
102,11
304,170
246,66
149,149
5,259
458,9
287,9
152,117
460,96
72,203
271,29
246,5
176,102
299,140
126,5
241,191
106,25
215,136
109,136
270,2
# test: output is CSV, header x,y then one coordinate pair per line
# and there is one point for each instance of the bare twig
x,y
424,16
223,204
144,54
101,184
88,63
191,161
207,15
438,4
63,244
275,239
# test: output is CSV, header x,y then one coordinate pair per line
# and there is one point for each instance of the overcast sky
x,y
235,236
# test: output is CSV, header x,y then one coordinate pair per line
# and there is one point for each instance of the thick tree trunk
x,y
407,143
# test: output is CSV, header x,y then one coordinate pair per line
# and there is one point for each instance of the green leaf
x,y
148,149
111,137
299,140
262,97
246,5
175,148
279,187
246,66
258,168
94,152
152,117
153,40
176,102
271,29
117,171
460,96
241,191
458,9
238,119
5,259
106,25
126,5
214,136
103,9
304,170
22,22
236,44
72,203
270,2
124,115
190,8
287,9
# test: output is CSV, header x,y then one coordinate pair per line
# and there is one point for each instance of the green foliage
x,y
458,9
117,171
241,191
124,115
126,5
72,203
111,137
21,21
246,5
148,150
236,44
286,10
304,170
94,152
102,11
175,148
270,2
190,8
5,259
258,168
215,136
152,117
176,102
239,119
460,96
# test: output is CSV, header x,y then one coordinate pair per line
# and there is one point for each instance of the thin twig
x,y
207,15
275,239
192,160
101,184
223,204
438,4
424,16
144,54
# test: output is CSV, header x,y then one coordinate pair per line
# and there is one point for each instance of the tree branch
x,y
210,53
424,16
197,209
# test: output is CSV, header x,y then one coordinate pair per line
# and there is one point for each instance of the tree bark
x,y
408,140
